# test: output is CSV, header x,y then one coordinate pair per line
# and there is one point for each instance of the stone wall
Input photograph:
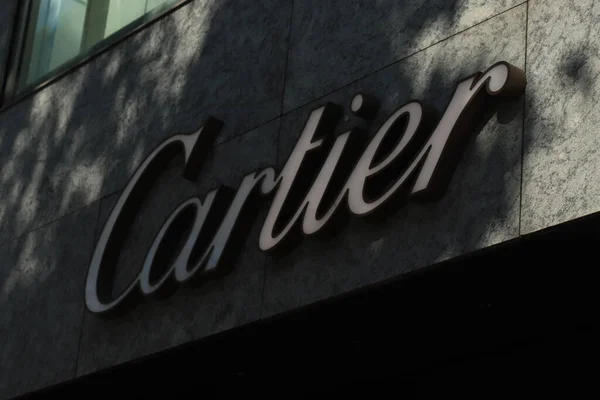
x,y
67,152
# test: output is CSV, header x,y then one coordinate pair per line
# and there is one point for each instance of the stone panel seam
x,y
289,38
521,4
54,220
402,59
10,239
92,249
50,222
285,68
283,114
524,121
7,242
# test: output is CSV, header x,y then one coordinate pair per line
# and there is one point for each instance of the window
x,y
60,33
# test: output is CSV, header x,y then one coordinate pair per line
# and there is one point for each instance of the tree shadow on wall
x,y
73,146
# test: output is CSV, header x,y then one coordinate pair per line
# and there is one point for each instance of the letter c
x,y
100,273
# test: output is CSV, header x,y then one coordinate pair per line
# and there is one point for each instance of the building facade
x,y
71,140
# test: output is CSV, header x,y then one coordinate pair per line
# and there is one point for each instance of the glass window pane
x,y
63,30
123,12
57,35
69,31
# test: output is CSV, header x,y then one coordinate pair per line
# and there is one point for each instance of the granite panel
x,y
561,163
336,42
42,278
191,312
80,139
480,208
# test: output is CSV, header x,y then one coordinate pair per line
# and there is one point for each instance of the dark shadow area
x,y
513,318
576,71
338,42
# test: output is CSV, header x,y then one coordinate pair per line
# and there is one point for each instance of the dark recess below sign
x,y
519,316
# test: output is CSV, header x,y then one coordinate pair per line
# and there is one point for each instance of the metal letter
x,y
99,278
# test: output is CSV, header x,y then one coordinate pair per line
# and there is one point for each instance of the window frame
x,y
18,40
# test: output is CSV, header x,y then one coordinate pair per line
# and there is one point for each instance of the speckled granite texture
x,y
67,151
335,42
561,163
41,286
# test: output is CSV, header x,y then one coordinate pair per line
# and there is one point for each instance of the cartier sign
x,y
325,179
